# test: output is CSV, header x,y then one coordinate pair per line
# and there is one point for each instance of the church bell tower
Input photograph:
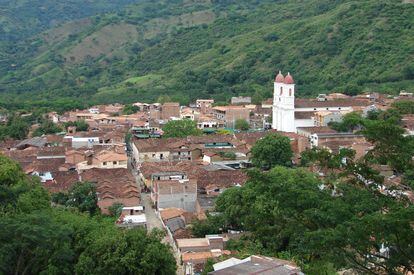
x,y
284,103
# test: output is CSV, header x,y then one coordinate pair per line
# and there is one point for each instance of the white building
x,y
289,113
284,103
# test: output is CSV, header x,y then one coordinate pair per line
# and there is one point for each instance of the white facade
x,y
284,107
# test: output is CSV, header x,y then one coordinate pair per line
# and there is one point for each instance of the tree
x,y
272,150
292,211
33,244
181,128
82,196
115,209
404,106
47,127
350,122
242,125
80,125
17,128
128,252
38,239
164,98
130,109
391,146
228,155
17,192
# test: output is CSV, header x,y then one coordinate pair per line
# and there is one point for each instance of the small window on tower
x,y
290,92
281,90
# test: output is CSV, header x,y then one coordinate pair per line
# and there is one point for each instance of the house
x,y
255,265
209,122
132,217
195,251
37,142
329,140
288,110
104,159
113,186
201,244
175,220
205,105
323,118
62,181
151,171
79,142
179,193
170,110
189,113
44,168
57,152
24,157
241,100
161,150
230,114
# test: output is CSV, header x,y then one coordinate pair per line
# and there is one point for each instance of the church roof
x,y
289,79
280,78
311,103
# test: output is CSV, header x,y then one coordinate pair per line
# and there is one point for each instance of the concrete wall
x,y
186,201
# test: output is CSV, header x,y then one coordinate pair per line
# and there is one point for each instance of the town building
x,y
241,100
255,265
178,193
290,113
132,217
230,114
205,105
170,110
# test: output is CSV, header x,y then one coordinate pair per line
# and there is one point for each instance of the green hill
x,y
193,48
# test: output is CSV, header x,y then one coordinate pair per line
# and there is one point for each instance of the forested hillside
x,y
201,48
27,17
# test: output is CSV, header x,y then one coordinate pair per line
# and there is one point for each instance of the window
x,y
290,92
104,163
114,162
281,90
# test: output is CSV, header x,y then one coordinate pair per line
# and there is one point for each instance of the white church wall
x,y
304,123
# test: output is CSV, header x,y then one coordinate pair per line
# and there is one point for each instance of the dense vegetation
x,y
36,238
344,220
20,19
181,129
190,49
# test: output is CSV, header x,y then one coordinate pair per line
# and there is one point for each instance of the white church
x,y
290,113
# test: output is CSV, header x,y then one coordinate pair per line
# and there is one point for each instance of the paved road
x,y
154,222
152,219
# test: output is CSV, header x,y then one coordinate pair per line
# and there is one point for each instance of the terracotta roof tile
x,y
312,103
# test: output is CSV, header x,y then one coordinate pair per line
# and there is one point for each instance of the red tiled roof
x,y
312,103
63,181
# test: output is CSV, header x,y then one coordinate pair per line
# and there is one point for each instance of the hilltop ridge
x,y
218,49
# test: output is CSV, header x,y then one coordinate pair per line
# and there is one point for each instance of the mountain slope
x,y
189,49
27,17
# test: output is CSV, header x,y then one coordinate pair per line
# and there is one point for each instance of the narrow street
x,y
154,222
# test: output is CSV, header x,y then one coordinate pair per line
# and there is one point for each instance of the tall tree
x,y
242,125
272,150
181,128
